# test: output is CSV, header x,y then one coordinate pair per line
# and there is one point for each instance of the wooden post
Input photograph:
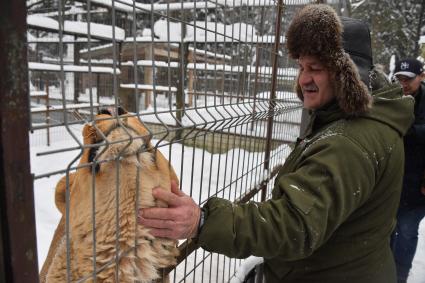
x,y
180,95
148,75
75,74
18,249
97,88
47,113
182,72
190,87
222,86
128,99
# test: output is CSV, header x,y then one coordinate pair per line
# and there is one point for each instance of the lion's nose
x,y
121,111
104,111
111,111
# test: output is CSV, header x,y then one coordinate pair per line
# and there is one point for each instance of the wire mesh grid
x,y
205,80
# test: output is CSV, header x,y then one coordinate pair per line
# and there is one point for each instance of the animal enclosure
x,y
210,81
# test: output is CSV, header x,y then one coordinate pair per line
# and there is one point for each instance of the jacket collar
x,y
322,117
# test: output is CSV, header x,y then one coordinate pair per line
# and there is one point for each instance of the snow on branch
x,y
97,31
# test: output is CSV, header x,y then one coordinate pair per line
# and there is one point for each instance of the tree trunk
x,y
418,29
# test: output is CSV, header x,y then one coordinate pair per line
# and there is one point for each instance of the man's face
x,y
315,82
409,85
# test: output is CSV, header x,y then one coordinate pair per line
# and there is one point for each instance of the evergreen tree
x,y
395,26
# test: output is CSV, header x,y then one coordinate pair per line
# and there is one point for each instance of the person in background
x,y
357,43
335,199
409,73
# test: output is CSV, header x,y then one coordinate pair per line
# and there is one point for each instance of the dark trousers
x,y
405,239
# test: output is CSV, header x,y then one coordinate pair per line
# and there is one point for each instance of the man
x,y
334,202
409,73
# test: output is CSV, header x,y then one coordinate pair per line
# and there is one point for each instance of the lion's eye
x,y
92,155
104,111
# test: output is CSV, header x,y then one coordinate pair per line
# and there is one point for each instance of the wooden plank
x,y
35,66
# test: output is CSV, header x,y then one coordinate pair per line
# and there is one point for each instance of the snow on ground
x,y
417,273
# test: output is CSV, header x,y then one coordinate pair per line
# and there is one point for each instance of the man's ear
x,y
89,134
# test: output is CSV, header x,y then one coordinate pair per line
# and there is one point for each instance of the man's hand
x,y
179,221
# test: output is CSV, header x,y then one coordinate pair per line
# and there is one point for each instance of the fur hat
x,y
317,31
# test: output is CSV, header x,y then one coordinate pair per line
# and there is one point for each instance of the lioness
x,y
125,171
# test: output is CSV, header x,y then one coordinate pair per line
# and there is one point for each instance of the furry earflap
x,y
316,31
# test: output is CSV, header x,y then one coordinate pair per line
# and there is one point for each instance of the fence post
x,y
18,253
257,65
183,60
272,94
273,86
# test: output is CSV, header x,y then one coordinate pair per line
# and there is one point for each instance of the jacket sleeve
x,y
332,179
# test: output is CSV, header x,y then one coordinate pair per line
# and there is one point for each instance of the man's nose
x,y
305,78
404,83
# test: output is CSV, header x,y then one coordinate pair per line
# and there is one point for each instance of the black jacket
x,y
414,148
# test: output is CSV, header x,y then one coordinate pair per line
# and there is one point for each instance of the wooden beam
x,y
18,249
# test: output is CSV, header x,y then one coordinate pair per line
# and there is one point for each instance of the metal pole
x,y
18,252
257,65
274,82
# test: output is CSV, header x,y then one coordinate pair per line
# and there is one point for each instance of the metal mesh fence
x,y
205,80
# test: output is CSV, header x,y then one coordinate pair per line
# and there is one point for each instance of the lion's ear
x,y
89,134
60,192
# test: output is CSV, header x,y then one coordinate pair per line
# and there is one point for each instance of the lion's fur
x,y
149,169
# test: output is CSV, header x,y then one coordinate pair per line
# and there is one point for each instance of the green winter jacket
x,y
334,202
